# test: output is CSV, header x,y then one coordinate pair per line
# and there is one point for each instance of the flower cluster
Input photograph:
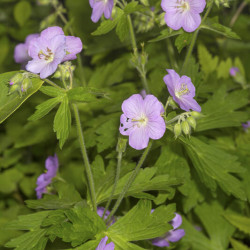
x,y
171,236
45,179
101,7
47,51
183,13
246,126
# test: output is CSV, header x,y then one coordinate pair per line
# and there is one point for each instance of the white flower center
x,y
141,122
182,91
47,55
182,5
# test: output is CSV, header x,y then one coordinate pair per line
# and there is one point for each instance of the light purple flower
x,y
183,13
102,245
182,90
51,49
101,7
21,50
142,120
246,126
171,236
45,179
233,71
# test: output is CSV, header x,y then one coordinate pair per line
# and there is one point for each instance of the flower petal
x,y
139,138
172,81
152,107
108,9
177,221
190,86
191,21
21,53
29,38
126,125
74,46
197,5
156,128
176,235
35,66
98,10
160,242
133,106
51,32
52,165
169,5
102,243
174,19
186,103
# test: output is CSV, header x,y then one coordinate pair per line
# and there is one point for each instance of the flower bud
x,y
195,114
177,130
185,127
14,88
26,84
191,121
172,103
121,145
16,78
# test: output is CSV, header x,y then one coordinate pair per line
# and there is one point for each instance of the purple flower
x,y
21,50
45,179
100,211
51,49
233,71
171,236
183,13
182,90
246,126
102,245
142,120
101,7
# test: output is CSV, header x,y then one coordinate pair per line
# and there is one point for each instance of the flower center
x,y
142,121
48,55
182,5
182,91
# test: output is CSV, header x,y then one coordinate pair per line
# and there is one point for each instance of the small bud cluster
x,y
64,71
186,122
224,3
145,21
20,83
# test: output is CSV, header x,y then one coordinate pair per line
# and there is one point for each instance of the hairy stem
x,y
130,182
117,176
237,13
85,157
53,84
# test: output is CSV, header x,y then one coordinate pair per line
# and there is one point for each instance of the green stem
x,y
130,182
195,35
134,46
53,84
85,157
237,13
117,176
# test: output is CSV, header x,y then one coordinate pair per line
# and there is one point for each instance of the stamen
x,y
182,91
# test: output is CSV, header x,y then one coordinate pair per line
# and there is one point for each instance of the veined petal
x,y
102,243
172,81
36,45
56,42
169,5
156,128
29,38
187,80
186,103
49,69
98,10
191,21
197,6
133,106
177,221
152,107
174,19
108,9
160,242
35,66
175,235
50,32
73,47
139,138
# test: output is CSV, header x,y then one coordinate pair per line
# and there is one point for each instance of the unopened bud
x,y
121,145
195,114
177,130
26,84
172,103
185,127
14,88
16,78
191,121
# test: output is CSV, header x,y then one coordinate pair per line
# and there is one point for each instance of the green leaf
x,y
166,34
140,224
132,7
22,12
67,197
237,245
4,48
10,103
239,221
211,24
224,68
51,91
108,25
122,28
82,224
84,94
220,111
183,40
208,63
62,122
44,108
215,166
217,227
